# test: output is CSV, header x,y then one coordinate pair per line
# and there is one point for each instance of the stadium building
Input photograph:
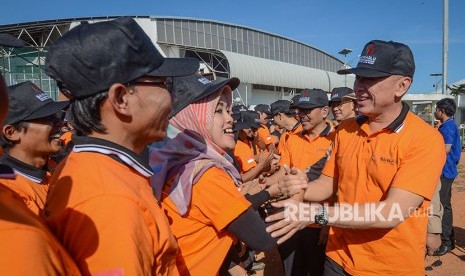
x,y
270,66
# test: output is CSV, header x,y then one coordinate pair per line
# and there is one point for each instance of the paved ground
x,y
451,264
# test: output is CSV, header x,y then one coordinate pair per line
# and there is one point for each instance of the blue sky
x,y
329,25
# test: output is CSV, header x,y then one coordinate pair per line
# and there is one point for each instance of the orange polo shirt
x,y
264,135
31,184
244,155
408,154
202,239
283,144
302,152
27,245
101,207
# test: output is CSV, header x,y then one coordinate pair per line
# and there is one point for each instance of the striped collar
x,y
23,169
396,125
117,152
6,172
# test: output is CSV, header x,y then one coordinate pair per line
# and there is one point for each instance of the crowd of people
x,y
163,176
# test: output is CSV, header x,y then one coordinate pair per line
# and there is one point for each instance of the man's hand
x,y
293,182
287,222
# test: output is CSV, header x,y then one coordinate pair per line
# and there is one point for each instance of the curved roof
x,y
270,72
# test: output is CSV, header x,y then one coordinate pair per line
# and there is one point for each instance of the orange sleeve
x,y
284,150
244,156
28,251
265,135
330,169
422,165
112,240
218,198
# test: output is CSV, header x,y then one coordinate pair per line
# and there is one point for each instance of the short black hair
x,y
21,125
448,105
84,114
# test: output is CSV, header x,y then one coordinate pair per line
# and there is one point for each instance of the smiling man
x,y
101,205
343,103
383,172
30,134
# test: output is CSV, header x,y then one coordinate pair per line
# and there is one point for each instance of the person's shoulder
x,y
417,127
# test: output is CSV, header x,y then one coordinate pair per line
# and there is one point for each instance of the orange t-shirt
x,y
27,245
244,155
409,154
264,135
103,211
283,144
202,239
32,187
301,152
32,193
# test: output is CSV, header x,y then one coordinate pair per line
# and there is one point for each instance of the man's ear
x,y
118,98
11,133
403,85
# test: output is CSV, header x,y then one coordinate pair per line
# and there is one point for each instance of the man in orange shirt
x,y
31,133
383,172
27,246
244,150
100,204
265,141
307,150
342,103
284,117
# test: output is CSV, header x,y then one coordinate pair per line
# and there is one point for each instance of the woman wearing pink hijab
x,y
197,183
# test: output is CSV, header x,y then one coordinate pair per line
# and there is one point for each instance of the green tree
x,y
457,89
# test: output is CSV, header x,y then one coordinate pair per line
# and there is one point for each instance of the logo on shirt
x,y
388,160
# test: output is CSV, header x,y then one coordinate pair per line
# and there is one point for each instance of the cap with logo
x,y
189,89
383,58
340,93
91,57
312,98
29,102
237,110
281,106
249,119
263,108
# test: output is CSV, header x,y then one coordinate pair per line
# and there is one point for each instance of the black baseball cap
x,y
236,111
29,102
91,57
264,108
8,40
249,119
294,100
189,89
339,93
312,98
383,58
280,106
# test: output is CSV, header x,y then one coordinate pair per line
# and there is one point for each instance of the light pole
x,y
345,52
436,81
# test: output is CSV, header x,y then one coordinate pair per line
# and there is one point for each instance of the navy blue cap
x,y
383,58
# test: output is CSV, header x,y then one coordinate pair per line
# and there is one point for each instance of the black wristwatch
x,y
321,217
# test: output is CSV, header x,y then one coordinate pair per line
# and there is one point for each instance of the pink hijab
x,y
188,151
